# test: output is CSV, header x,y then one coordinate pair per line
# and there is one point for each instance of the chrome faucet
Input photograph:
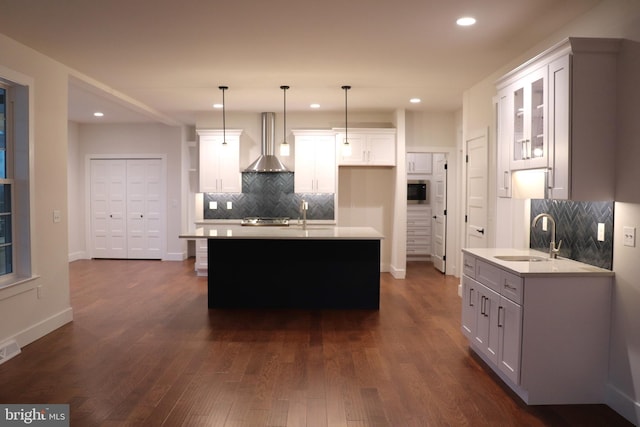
x,y
303,213
553,250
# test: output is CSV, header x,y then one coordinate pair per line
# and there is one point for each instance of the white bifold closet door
x,y
127,202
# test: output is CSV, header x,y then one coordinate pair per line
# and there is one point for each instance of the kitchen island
x,y
320,267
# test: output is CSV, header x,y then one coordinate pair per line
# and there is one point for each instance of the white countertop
x,y
552,267
318,232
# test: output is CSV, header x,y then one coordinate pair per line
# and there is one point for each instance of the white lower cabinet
x,y
201,264
546,336
418,232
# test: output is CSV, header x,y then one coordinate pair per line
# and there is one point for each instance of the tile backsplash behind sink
x,y
577,227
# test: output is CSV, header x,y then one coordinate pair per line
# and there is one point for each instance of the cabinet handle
x,y
470,297
480,230
550,179
508,286
500,308
505,180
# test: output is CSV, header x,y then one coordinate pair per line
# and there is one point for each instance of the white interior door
x,y
439,222
476,203
127,199
108,208
144,232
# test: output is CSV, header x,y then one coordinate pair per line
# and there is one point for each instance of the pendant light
x,y
224,124
346,147
284,147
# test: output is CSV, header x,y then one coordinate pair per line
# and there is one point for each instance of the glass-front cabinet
x,y
529,136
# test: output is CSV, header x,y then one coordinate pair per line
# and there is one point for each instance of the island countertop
x,y
313,232
546,267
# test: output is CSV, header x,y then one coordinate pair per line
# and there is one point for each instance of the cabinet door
x,y
325,165
559,134
529,137
486,336
503,114
510,335
229,166
315,164
469,306
220,165
358,148
381,150
419,163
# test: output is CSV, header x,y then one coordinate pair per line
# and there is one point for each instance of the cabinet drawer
x,y
469,266
488,275
512,287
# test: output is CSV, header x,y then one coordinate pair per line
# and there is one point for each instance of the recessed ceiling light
x,y
415,100
314,106
217,105
466,21
98,114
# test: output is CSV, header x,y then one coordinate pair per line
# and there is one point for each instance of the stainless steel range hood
x,y
267,162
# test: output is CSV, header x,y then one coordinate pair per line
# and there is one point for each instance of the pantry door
x,y
127,208
476,200
439,223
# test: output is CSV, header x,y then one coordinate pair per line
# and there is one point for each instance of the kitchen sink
x,y
522,258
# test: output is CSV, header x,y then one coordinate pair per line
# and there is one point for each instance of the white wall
x,y
127,140
76,185
23,315
611,18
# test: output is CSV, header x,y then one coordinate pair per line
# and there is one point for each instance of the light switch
x,y
56,216
601,232
229,205
213,205
544,223
629,236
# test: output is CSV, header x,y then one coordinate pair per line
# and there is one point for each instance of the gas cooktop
x,y
265,221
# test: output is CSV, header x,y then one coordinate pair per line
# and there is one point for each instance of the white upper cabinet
x,y
556,113
219,163
369,147
419,163
529,147
315,162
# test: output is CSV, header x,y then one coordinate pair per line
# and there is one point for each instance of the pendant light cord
x,y
284,130
346,88
224,124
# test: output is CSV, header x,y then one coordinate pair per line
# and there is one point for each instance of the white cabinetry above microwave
x,y
557,113
219,163
369,147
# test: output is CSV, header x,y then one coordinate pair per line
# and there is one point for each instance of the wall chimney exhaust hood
x,y
267,162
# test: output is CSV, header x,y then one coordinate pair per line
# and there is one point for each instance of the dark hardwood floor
x,y
144,350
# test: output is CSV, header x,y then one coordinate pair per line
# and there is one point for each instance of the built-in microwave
x,y
417,191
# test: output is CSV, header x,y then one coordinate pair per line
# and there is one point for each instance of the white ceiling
x,y
169,57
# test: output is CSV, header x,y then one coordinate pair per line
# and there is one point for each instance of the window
x,y
6,230
15,188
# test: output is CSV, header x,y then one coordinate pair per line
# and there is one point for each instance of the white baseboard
x,y
42,328
74,256
398,273
623,404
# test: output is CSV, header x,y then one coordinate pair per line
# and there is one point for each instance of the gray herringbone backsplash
x,y
268,195
577,227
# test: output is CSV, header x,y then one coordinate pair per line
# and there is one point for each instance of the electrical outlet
x,y
544,223
213,205
601,232
40,292
56,216
629,236
229,205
